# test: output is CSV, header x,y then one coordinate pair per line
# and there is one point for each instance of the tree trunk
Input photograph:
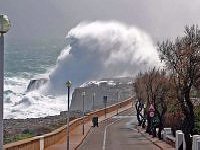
x,y
188,124
138,118
162,121
160,128
143,122
154,132
187,128
138,113
148,129
188,142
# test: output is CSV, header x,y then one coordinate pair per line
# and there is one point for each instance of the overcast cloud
x,y
54,18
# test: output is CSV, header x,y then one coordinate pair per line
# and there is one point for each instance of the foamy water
x,y
19,104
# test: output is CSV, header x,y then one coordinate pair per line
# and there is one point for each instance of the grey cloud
x,y
53,18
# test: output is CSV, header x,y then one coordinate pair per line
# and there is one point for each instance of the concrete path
x,y
76,136
114,133
117,133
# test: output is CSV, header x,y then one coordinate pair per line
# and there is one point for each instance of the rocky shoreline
x,y
17,129
116,89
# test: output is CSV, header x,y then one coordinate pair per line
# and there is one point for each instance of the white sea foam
x,y
101,49
19,104
95,50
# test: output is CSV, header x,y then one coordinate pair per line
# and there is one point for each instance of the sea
x,y
26,60
90,51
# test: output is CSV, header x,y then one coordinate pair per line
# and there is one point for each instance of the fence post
x,y
41,142
194,142
196,139
180,142
198,144
166,131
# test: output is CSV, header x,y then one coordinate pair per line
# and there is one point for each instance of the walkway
x,y
118,133
76,136
114,133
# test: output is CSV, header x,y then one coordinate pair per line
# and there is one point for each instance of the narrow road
x,y
117,133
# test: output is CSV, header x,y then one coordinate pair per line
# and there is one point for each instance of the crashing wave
x,y
35,84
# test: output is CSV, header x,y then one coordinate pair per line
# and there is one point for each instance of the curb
x,y
83,139
151,140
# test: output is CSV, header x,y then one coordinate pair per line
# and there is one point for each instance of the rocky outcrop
x,y
35,84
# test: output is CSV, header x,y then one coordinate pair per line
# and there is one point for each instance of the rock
x,y
35,84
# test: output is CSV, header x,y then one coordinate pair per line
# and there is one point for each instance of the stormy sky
x,y
41,19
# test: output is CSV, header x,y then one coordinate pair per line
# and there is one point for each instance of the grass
x,y
28,133
10,139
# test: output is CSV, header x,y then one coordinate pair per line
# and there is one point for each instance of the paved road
x,y
117,133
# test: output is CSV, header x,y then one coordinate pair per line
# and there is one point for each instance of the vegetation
x,y
154,86
14,138
17,134
182,58
171,89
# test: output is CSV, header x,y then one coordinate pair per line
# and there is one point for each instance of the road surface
x,y
117,133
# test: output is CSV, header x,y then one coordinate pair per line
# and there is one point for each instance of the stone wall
x,y
115,91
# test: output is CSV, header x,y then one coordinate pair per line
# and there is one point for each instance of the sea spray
x,y
33,104
94,50
101,49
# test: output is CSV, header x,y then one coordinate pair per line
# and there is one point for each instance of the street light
x,y
105,101
83,94
117,102
68,84
132,93
4,27
93,97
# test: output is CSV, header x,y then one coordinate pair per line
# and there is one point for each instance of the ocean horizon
x,y
26,60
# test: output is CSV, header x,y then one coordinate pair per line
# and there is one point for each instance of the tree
x,y
153,88
158,88
160,97
182,59
139,89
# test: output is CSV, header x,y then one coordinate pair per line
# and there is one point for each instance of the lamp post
x,y
83,94
93,97
117,102
4,27
132,93
105,101
68,84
